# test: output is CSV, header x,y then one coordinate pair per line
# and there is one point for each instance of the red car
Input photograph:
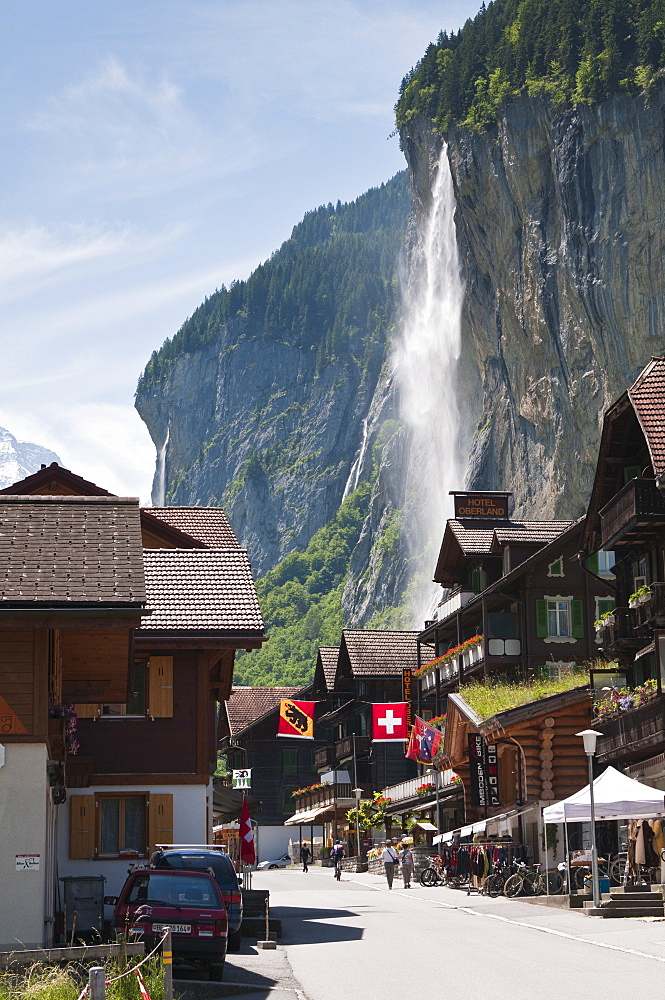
x,y
188,902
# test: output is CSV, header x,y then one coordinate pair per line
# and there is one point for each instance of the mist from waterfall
x,y
426,370
159,483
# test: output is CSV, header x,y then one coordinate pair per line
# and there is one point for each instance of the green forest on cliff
x,y
573,51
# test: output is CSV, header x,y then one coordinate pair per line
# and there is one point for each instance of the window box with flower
x,y
62,730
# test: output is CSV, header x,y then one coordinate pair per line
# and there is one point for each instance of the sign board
x,y
27,862
10,724
407,680
242,778
484,765
494,505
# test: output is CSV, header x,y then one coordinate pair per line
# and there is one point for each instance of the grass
x,y
491,697
40,982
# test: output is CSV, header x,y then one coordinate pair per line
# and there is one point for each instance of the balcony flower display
x,y
307,788
468,644
641,596
68,713
623,699
427,789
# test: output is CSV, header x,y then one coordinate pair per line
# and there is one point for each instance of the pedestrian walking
x,y
305,855
390,860
406,858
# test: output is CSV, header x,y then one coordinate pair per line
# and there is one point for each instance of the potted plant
x,y
640,596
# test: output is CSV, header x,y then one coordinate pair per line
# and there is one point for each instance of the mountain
x,y
275,401
19,459
559,226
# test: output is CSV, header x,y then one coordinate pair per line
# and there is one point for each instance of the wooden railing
x,y
344,748
325,757
638,498
632,732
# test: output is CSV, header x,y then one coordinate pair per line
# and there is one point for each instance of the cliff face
x,y
561,230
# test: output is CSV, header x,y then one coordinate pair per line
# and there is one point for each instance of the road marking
x,y
523,923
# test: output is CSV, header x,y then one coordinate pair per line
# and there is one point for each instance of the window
x,y
111,825
478,580
122,825
631,472
135,704
605,563
559,619
150,693
289,761
556,568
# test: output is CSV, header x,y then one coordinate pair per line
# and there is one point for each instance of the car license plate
x,y
174,928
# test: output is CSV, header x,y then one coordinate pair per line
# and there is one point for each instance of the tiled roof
x,y
248,704
380,653
647,394
201,590
71,483
329,656
206,524
476,540
65,550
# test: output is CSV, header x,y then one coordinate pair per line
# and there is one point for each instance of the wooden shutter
x,y
160,687
474,579
88,711
578,619
592,563
605,604
160,820
82,826
541,619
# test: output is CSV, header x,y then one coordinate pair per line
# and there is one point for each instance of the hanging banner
x,y
296,719
389,722
242,778
484,772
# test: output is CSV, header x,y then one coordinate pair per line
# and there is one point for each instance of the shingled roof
x,y
249,704
64,550
329,656
208,525
202,591
647,394
474,540
379,653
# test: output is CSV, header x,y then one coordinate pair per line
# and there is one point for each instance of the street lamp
x,y
589,736
358,792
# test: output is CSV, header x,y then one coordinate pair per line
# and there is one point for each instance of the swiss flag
x,y
246,833
389,722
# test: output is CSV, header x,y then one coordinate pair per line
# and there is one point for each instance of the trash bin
x,y
83,905
603,883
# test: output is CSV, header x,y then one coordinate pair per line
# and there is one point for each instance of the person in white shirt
x,y
390,860
406,857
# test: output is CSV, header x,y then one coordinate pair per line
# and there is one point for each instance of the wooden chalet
x,y
517,602
133,616
626,523
533,757
279,766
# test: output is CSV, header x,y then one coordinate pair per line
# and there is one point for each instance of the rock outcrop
x,y
561,230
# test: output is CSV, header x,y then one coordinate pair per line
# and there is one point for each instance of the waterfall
x,y
356,468
426,370
159,484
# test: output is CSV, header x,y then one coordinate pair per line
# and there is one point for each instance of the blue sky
x,y
153,150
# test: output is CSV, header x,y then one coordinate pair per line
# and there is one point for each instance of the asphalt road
x,y
355,940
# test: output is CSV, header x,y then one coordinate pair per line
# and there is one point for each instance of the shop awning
x,y
300,819
424,825
616,796
500,817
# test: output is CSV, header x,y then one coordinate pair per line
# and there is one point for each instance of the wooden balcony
x,y
621,637
636,511
325,758
633,735
651,612
344,748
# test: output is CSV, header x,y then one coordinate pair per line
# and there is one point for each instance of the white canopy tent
x,y
616,796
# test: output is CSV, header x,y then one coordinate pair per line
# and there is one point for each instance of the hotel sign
x,y
407,680
494,505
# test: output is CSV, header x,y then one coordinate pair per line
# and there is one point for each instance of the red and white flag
x,y
389,722
246,833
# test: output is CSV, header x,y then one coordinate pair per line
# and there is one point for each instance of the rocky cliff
x,y
561,230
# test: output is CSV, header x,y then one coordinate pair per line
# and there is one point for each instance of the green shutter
x,y
541,619
631,472
578,619
605,604
592,563
475,581
290,761
288,801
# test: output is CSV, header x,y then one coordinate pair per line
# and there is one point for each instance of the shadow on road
x,y
315,925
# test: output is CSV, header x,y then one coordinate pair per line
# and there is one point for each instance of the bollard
x,y
167,965
97,983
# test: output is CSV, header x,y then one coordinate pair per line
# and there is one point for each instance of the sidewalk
x,y
251,974
634,935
